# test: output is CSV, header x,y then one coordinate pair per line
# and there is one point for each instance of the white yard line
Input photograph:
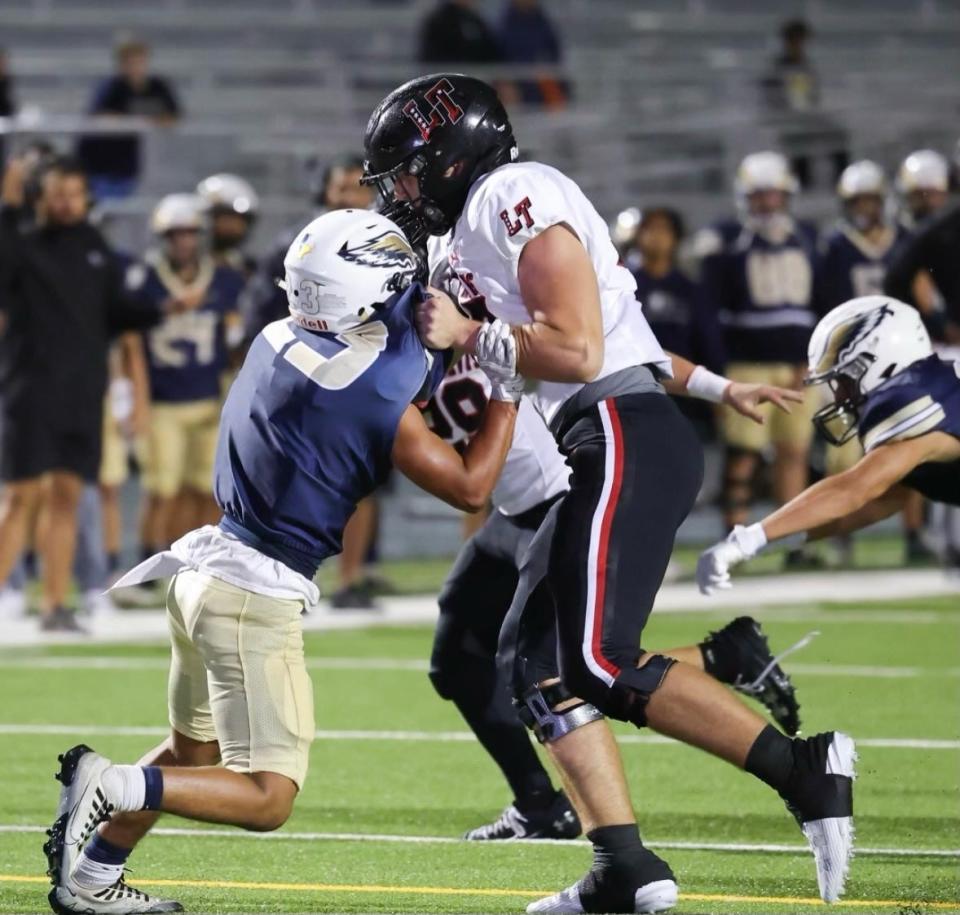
x,y
415,665
748,847
98,730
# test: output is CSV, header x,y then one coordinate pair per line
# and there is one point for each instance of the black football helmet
x,y
446,130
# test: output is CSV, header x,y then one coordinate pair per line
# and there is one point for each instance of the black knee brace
x,y
628,701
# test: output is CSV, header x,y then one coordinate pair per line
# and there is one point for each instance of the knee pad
x,y
535,709
631,698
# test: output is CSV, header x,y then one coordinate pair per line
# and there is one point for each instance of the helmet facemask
x,y
838,422
418,217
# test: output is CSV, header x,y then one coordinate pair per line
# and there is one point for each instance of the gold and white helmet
x,y
229,192
178,211
857,347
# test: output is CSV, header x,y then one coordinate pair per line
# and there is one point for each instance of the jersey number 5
x,y
362,346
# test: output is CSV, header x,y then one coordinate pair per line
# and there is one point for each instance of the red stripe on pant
x,y
605,527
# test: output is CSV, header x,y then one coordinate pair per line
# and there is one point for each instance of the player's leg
x,y
19,500
58,536
473,603
357,537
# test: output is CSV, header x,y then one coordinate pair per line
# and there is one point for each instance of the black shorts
x,y
637,467
481,585
35,441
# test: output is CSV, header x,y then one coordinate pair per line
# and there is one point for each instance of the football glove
x,y
496,352
714,564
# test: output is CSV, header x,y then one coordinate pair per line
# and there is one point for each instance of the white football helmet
x,y
178,211
343,266
229,192
764,171
862,177
857,347
623,230
923,170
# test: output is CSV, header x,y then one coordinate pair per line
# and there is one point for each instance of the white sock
x,y
93,874
125,787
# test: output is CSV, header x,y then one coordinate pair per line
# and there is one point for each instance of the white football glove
x,y
496,353
714,564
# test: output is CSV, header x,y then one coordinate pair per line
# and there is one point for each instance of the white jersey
x,y
534,470
512,205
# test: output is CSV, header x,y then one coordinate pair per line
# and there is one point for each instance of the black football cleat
x,y
755,671
558,821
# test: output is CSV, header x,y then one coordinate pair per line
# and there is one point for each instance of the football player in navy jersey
x,y
321,408
856,256
233,206
901,399
758,272
186,356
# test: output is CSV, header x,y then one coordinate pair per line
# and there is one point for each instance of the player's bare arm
x,y
866,482
697,381
464,481
564,340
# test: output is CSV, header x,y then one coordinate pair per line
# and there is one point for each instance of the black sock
x,y
771,758
621,865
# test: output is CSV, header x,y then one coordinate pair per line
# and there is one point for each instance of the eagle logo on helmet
x,y
390,249
848,335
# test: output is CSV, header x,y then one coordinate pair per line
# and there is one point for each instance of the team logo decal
x,y
306,246
387,250
522,209
848,335
443,109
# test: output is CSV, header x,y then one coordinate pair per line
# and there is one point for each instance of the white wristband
x,y
707,385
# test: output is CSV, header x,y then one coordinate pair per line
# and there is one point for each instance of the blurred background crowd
x,y
757,168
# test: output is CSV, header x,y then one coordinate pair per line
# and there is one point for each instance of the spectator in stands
x,y
526,35
63,296
233,206
791,92
758,274
856,256
7,106
113,162
454,33
923,182
186,355
673,304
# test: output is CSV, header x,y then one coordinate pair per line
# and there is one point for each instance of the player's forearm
x,y
878,509
484,456
550,354
822,504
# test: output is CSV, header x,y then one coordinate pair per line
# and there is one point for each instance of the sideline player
x,y
904,403
441,150
477,595
320,409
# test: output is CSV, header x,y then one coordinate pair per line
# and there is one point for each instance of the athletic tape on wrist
x,y
706,385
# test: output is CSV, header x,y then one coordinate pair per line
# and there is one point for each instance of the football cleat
x,y
117,898
758,672
558,821
820,796
82,807
657,896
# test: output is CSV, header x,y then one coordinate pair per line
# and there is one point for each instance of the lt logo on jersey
x,y
443,109
521,209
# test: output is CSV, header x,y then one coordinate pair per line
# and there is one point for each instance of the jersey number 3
x,y
362,346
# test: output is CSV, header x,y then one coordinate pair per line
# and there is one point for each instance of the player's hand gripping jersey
x,y
308,429
512,205
187,352
924,398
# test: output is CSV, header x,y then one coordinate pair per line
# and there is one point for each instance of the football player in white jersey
x,y
480,587
525,239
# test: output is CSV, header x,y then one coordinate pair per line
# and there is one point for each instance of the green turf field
x,y
393,763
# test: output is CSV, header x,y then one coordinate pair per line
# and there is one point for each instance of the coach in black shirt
x,y
61,298
113,162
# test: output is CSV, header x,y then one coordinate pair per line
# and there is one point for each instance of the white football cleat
x,y
658,896
821,799
117,898
81,809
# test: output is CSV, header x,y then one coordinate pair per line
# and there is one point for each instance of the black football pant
x,y
602,553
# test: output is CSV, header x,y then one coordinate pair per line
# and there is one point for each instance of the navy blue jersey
x,y
852,266
674,308
925,398
187,352
762,292
307,429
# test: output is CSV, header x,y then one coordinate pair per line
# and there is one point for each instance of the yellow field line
x,y
466,891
